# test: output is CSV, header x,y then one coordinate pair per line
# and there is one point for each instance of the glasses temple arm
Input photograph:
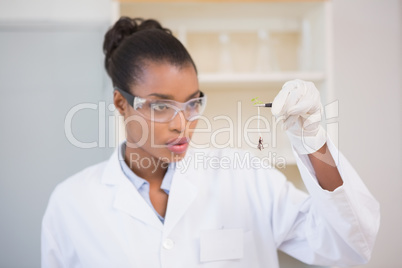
x,y
130,98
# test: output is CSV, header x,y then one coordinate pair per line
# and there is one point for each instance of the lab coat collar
x,y
128,200
182,194
112,174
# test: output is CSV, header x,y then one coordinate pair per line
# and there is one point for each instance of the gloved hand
x,y
298,104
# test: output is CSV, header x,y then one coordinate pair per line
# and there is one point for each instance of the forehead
x,y
167,79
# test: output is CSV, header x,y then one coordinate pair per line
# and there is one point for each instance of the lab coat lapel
x,y
126,197
182,193
129,201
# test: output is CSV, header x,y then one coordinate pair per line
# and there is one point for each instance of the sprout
x,y
256,101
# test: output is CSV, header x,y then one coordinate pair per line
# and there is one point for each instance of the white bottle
x,y
225,57
263,62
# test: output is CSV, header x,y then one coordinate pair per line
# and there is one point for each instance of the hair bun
x,y
152,24
124,28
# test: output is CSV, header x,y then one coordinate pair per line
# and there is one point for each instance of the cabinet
x,y
246,50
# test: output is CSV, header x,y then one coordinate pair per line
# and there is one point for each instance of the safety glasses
x,y
162,110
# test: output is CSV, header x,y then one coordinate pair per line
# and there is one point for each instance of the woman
x,y
178,211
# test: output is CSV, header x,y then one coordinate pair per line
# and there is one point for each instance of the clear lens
x,y
166,110
161,111
194,109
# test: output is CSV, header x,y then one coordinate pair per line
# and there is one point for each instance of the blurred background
x,y
55,95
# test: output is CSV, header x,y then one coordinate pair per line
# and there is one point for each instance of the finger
x,y
311,119
294,99
290,122
280,103
308,103
303,106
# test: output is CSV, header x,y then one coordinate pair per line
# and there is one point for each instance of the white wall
x,y
48,64
368,82
55,10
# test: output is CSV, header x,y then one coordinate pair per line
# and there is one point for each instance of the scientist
x,y
121,214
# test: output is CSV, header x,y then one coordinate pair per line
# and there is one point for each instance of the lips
x,y
178,145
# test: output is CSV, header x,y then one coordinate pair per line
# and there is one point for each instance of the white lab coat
x,y
216,217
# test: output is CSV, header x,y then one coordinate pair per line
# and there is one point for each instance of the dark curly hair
x,y
132,42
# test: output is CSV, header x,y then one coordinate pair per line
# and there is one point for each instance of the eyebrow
x,y
168,96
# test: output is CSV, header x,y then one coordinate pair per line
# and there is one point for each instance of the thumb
x,y
279,102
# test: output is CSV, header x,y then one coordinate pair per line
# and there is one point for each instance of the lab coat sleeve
x,y
330,228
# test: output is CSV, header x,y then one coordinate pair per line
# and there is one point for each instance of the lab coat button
x,y
168,244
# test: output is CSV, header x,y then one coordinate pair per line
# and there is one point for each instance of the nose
x,y
178,123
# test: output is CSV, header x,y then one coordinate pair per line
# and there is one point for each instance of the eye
x,y
159,107
195,104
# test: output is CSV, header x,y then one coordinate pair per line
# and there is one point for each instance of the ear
x,y
120,103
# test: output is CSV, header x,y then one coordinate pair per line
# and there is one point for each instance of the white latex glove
x,y
298,104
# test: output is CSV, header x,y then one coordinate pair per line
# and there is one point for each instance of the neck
x,y
149,168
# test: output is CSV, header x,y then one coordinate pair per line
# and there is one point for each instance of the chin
x,y
173,157
177,157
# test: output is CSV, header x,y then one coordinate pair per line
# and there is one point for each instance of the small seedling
x,y
256,101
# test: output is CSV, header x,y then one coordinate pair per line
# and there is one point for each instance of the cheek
x,y
160,132
138,129
192,125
